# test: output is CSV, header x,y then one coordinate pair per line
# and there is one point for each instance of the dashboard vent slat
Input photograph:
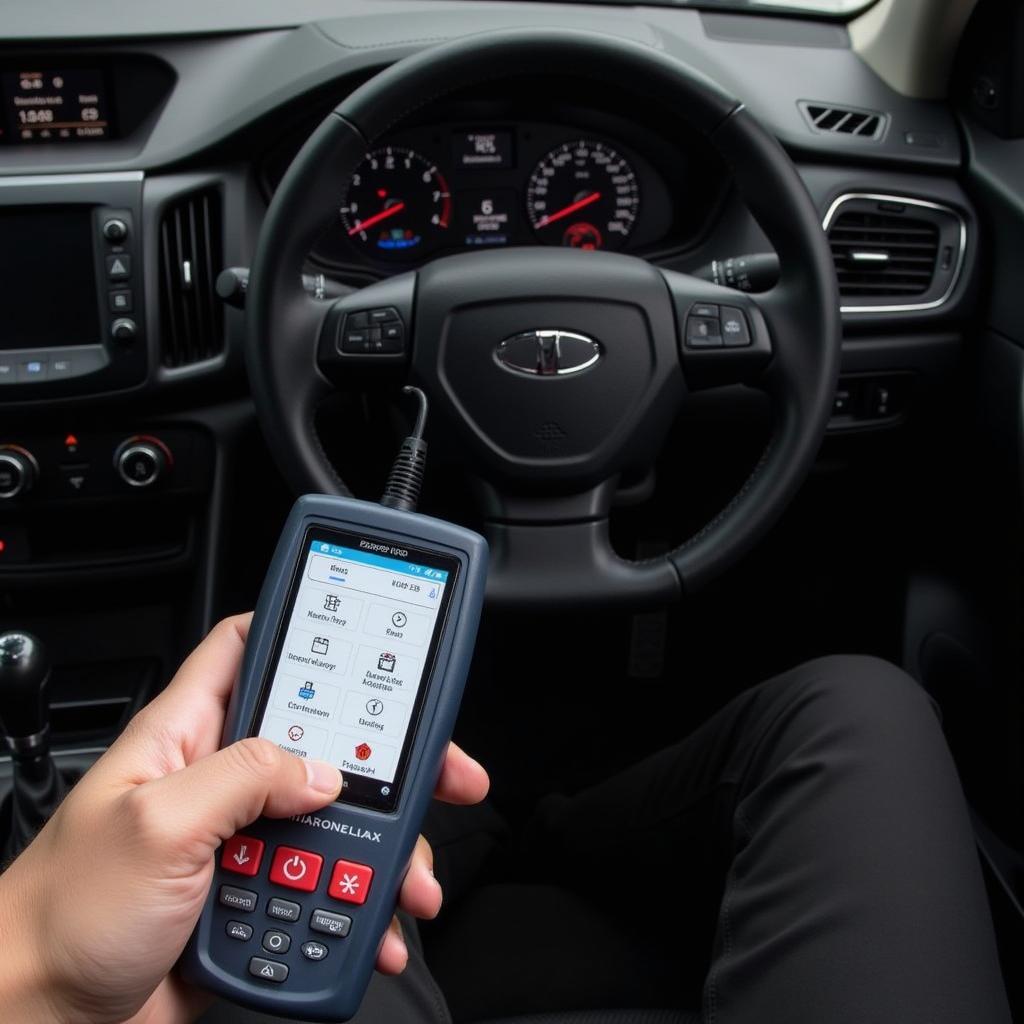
x,y
883,253
191,320
841,120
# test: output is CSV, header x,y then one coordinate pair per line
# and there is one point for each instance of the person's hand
x,y
95,912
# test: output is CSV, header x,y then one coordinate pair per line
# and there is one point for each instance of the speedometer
x,y
583,194
397,203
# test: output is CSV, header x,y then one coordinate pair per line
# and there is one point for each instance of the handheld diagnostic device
x,y
358,653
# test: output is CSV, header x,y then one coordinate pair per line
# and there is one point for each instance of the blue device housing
x,y
333,988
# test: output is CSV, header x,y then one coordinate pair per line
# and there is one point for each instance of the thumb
x,y
217,795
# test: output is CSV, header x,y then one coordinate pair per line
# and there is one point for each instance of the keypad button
x,y
242,855
283,910
296,869
238,899
314,950
705,309
350,882
330,924
276,942
380,316
238,930
268,970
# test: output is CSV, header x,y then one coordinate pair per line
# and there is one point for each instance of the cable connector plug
x,y
405,480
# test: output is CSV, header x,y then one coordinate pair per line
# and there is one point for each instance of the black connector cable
x,y
405,480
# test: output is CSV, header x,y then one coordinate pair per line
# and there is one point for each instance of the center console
x,y
71,285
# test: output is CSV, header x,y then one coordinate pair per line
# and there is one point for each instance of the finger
x,y
393,954
463,780
210,800
421,892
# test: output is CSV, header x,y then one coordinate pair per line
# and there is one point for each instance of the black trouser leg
x,y
820,818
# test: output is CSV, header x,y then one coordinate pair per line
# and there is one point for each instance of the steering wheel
x,y
556,369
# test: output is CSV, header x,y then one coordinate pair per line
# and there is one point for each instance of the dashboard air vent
x,y
894,253
833,120
191,317
883,253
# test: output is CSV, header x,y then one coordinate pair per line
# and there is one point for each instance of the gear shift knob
x,y
24,715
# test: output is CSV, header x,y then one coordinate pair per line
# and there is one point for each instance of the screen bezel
x,y
360,791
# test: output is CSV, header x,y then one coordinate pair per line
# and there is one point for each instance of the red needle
x,y
376,218
566,210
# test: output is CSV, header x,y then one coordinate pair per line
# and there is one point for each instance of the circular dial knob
x,y
140,462
115,230
18,471
123,330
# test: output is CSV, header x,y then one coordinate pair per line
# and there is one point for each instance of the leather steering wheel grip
x,y
802,310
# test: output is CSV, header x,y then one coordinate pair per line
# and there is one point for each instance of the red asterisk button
x,y
350,882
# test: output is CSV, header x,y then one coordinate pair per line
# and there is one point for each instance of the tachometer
x,y
583,194
397,203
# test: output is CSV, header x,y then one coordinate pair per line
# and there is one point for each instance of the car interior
x,y
726,363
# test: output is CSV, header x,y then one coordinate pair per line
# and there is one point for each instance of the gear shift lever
x,y
37,786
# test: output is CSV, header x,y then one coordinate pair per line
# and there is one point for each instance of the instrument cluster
x,y
453,187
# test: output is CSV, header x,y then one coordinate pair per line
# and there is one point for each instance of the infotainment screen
x,y
47,278
46,105
349,674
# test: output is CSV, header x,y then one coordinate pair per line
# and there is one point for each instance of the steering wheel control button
x,y
735,329
119,267
703,332
115,230
238,930
242,855
237,899
330,924
350,882
296,869
283,910
276,942
373,332
314,950
705,309
268,970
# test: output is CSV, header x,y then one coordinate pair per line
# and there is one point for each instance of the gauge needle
x,y
550,218
376,218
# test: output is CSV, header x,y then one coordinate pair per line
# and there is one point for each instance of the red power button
x,y
296,869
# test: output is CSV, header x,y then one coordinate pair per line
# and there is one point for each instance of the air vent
x,y
191,318
894,253
833,120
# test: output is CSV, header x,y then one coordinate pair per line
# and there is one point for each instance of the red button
x,y
296,869
350,882
242,854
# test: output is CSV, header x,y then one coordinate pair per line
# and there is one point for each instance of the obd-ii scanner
x,y
358,653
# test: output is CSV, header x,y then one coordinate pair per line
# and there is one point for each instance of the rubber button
x,y
350,882
314,950
238,930
268,970
330,924
703,332
237,899
296,869
242,855
283,910
276,942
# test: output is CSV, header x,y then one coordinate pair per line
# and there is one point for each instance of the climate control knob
x,y
141,461
18,471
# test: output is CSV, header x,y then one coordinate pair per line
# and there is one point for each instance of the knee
x,y
856,695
